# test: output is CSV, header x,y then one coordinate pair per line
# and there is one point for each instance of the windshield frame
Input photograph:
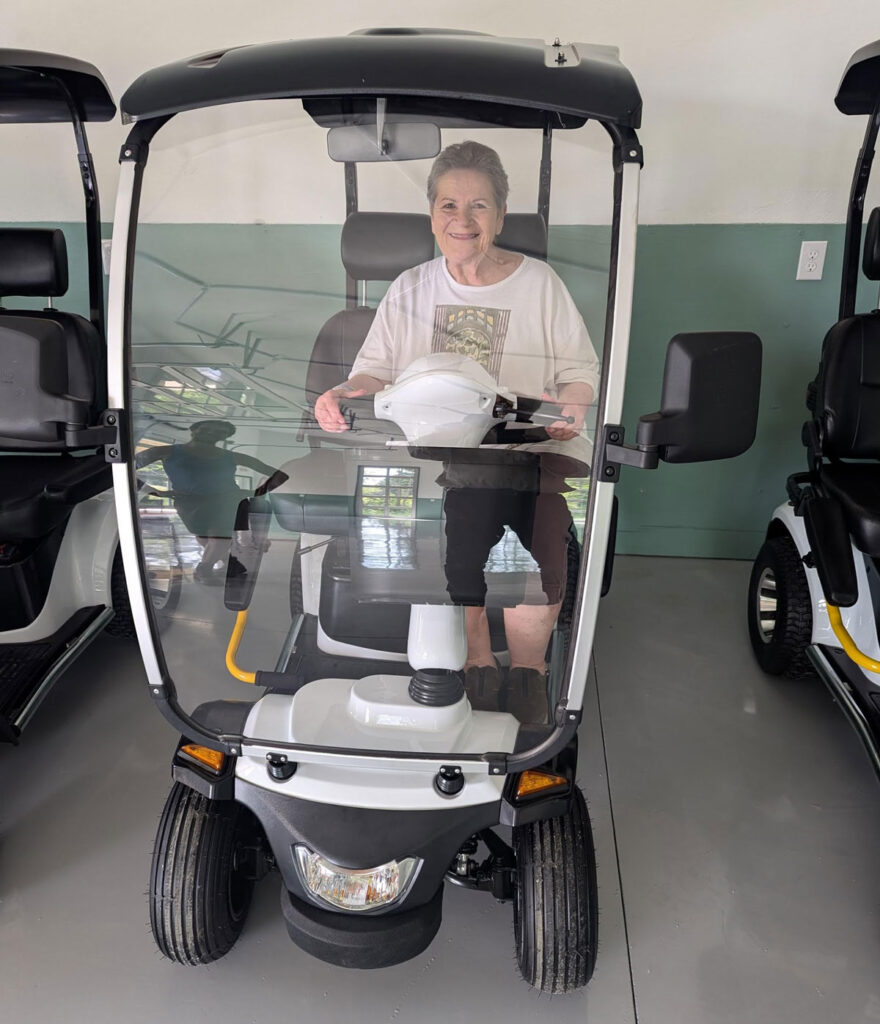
x,y
627,159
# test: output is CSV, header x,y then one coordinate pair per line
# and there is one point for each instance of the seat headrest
x,y
524,232
33,261
380,246
871,255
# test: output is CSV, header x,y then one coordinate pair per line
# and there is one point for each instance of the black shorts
x,y
475,521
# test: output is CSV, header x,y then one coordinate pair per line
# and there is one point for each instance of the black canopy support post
x,y
351,206
93,212
852,245
544,176
93,228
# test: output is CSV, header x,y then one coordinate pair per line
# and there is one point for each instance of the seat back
x,y
52,363
845,396
375,247
525,233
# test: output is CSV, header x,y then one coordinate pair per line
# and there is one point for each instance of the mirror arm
x,y
614,454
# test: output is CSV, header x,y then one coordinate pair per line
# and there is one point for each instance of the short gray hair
x,y
470,156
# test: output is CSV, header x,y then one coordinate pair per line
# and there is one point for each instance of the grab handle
x,y
847,642
232,650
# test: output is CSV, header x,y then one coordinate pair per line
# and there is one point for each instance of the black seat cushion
x,y
857,487
38,492
52,377
847,398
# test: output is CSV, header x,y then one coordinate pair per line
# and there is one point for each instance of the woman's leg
x,y
542,522
528,628
471,532
479,644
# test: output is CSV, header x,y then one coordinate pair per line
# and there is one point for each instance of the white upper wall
x,y
739,122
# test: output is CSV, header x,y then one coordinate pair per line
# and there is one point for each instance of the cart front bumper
x,y
361,940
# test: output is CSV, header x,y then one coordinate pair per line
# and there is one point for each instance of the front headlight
x,y
348,889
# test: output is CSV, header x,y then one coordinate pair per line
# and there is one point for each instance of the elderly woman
x,y
512,314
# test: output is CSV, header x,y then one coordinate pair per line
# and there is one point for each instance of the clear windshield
x,y
381,457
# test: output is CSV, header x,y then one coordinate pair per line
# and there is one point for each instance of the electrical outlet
x,y
811,261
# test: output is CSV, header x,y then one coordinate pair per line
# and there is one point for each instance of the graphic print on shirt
x,y
475,331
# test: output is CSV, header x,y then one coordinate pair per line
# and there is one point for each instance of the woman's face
x,y
465,217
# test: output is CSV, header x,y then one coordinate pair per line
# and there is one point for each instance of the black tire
x,y
199,891
122,623
555,911
780,610
296,586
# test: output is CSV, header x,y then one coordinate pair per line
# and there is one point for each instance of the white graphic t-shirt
x,y
525,331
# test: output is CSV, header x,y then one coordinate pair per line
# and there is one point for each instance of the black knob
x,y
279,768
449,780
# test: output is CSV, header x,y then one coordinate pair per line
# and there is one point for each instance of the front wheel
x,y
780,609
555,912
200,883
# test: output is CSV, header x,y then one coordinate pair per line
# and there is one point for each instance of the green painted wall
x,y
724,277
688,278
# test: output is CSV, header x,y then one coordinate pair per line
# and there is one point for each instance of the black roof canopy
x,y
34,87
859,88
512,76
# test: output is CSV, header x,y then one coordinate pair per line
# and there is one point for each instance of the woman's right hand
x,y
327,411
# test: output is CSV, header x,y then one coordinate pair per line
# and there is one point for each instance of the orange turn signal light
x,y
213,759
532,783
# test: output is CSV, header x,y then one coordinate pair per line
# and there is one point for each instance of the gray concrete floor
x,y
735,816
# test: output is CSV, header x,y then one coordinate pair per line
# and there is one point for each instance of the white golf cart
x,y
325,729
815,590
61,578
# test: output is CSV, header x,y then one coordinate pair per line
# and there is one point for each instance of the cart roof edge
x,y
577,79
859,88
30,92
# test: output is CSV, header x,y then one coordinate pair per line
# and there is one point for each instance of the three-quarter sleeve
x,y
376,356
574,358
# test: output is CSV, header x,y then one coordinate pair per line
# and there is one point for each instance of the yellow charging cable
x,y
847,642
232,650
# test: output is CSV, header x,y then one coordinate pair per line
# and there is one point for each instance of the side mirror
x,y
709,405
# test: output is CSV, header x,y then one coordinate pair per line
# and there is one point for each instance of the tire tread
x,y
555,917
786,653
189,879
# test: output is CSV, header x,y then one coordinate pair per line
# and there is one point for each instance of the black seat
x,y
52,392
375,247
844,435
525,233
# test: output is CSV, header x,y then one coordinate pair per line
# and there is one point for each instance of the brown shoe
x,y
482,684
527,696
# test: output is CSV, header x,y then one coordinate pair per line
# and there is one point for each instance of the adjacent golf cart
x,y
61,579
355,764
813,596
